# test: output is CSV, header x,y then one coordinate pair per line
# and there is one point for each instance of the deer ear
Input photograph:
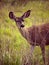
x,y
11,15
26,14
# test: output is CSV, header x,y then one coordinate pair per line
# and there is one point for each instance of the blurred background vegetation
x,y
14,49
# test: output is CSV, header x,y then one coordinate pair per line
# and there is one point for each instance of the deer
x,y
35,35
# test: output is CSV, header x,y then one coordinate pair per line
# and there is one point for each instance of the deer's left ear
x,y
26,14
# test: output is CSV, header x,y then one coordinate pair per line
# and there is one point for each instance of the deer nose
x,y
22,25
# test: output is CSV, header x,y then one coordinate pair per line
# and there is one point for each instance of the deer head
x,y
19,20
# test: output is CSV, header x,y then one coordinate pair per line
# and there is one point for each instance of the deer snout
x,y
22,24
11,15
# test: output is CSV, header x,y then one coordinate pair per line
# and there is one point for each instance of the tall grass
x,y
14,49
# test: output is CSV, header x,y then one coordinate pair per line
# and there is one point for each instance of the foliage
x,y
14,49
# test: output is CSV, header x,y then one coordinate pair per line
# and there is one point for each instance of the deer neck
x,y
24,32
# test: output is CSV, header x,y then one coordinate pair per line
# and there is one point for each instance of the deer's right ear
x,y
11,15
26,14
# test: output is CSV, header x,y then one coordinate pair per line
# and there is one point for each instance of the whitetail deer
x,y
38,34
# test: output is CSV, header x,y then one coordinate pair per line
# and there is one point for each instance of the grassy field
x,y
14,49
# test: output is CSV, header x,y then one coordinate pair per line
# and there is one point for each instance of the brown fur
x,y
35,35
38,33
